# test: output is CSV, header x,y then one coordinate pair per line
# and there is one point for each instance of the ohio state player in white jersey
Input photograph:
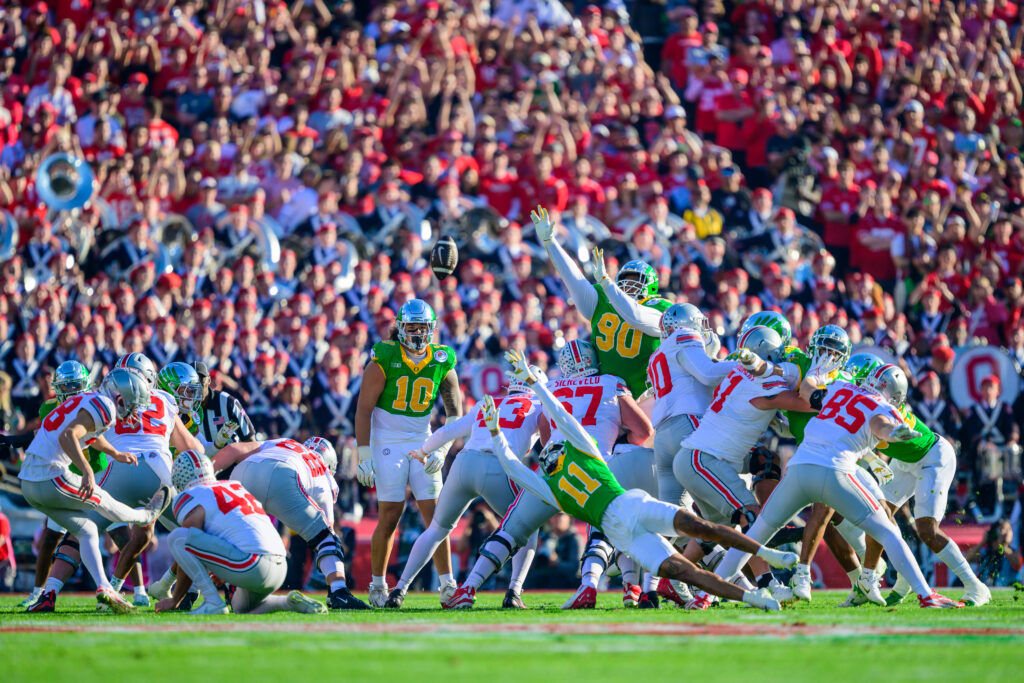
x,y
310,471
594,401
851,422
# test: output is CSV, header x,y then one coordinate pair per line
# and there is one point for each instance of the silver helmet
x,y
685,317
323,448
889,382
577,359
191,468
415,312
550,456
518,386
860,365
69,379
764,342
129,391
830,339
141,363
772,319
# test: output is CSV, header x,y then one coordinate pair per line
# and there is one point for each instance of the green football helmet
x,y
415,312
770,319
181,381
832,339
859,366
638,280
70,378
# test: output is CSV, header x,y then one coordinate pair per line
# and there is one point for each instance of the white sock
x,y
854,536
89,547
521,563
168,575
593,569
140,591
954,559
338,585
116,583
421,552
484,567
649,584
902,586
854,574
803,569
886,533
744,583
378,582
628,567
444,579
52,584
331,564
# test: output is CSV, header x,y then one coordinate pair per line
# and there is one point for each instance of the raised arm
x,y
706,371
582,292
514,468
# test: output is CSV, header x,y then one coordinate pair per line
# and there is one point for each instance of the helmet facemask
x,y
415,335
638,280
550,456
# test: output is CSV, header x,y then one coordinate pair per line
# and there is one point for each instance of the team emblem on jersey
x,y
442,356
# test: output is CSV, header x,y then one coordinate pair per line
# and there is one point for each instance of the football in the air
x,y
444,257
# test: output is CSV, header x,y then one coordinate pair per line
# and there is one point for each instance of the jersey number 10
x,y
422,392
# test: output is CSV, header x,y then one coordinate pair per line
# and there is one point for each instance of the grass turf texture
x,y
808,641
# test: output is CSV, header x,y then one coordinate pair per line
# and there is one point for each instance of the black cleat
x,y
395,599
44,603
343,599
513,600
649,600
187,602
229,592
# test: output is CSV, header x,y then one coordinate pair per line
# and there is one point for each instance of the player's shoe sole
x,y
977,596
585,597
113,600
513,600
463,599
46,602
342,599
937,601
305,604
158,503
396,598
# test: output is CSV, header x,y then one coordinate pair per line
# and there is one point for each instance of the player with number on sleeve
x,y
851,420
400,386
295,483
225,531
476,473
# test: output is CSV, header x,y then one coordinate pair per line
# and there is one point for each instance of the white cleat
x,y
210,608
868,583
110,598
378,596
977,595
802,583
781,592
778,558
762,599
158,503
141,600
297,602
856,598
447,591
161,588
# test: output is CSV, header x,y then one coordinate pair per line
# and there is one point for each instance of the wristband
x,y
364,453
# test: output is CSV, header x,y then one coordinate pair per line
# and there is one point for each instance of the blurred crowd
x,y
270,176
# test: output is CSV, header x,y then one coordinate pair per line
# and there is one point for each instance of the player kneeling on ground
x,y
224,531
575,478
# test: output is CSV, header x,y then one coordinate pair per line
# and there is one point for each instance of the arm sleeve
x,y
451,431
818,399
643,318
565,422
246,432
520,473
580,289
708,372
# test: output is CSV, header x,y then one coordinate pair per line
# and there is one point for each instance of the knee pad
x,y
327,544
744,517
765,464
599,549
71,544
500,539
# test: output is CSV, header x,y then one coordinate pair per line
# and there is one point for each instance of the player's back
x,y
840,434
151,431
517,418
294,455
232,514
594,402
44,457
676,391
731,425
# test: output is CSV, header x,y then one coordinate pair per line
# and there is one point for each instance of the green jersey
x,y
583,485
97,460
622,350
915,449
797,420
410,387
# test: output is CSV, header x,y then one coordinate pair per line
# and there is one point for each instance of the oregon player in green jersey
x,y
575,478
624,315
401,384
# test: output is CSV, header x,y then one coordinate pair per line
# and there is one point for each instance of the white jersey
x,y
731,425
232,514
310,470
840,434
594,402
151,432
44,457
517,417
676,391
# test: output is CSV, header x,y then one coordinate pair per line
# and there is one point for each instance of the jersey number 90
x,y
613,333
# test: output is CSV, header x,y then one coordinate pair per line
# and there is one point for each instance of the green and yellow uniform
x,y
798,421
97,460
915,449
583,485
410,387
622,350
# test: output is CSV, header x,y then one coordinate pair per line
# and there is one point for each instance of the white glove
x,y
902,433
434,461
713,346
600,270
520,368
490,414
879,468
542,224
748,359
822,367
364,473
780,425
225,434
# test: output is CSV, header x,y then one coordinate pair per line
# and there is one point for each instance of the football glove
x,y
822,367
226,434
490,414
600,270
748,359
542,224
902,433
879,468
364,473
434,461
520,368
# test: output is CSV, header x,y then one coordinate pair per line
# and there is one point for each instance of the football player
x,y
604,405
184,383
575,478
851,420
67,498
400,385
224,531
476,473
295,483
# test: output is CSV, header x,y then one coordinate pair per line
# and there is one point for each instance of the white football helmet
x,y
323,448
889,382
129,391
191,468
577,359
685,317
141,363
763,341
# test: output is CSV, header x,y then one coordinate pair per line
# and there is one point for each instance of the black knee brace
x,y
598,548
326,544
744,517
70,543
764,464
485,553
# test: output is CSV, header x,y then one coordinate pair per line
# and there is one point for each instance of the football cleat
x,y
701,601
31,599
868,583
778,558
977,595
395,599
44,603
674,591
762,599
585,597
210,608
158,503
161,588
801,583
649,600
780,591
378,596
513,600
447,591
343,599
894,598
186,602
141,600
298,602
112,599
936,600
463,598
856,598
630,594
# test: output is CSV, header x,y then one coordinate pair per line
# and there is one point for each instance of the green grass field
x,y
807,641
